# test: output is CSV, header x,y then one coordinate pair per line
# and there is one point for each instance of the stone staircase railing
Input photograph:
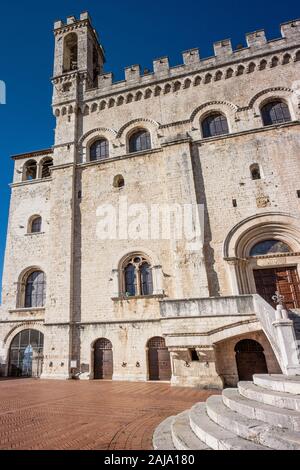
x,y
279,329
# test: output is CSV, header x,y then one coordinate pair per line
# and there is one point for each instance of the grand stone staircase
x,y
259,415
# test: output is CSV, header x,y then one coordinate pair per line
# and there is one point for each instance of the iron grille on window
x,y
275,112
214,124
99,150
140,141
157,343
35,290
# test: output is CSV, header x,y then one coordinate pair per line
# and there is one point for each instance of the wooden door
x,y
250,359
284,280
159,360
103,359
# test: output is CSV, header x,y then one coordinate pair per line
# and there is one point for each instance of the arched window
x,y
214,124
35,225
275,112
139,141
46,166
35,290
137,276
70,52
255,171
26,354
30,171
99,150
267,247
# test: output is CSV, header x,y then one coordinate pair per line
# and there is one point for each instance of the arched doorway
x,y
103,359
158,359
26,354
250,359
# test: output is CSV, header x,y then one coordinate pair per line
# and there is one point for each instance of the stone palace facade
x,y
219,132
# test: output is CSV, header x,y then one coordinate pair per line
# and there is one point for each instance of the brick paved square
x,y
101,415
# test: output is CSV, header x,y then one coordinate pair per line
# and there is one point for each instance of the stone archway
x,y
250,359
280,231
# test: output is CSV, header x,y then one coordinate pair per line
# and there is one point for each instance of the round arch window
x,y
139,141
99,150
215,124
275,112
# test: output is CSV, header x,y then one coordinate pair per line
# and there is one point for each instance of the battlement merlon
x,y
257,46
256,41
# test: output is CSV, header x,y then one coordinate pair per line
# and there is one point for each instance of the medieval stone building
x,y
219,132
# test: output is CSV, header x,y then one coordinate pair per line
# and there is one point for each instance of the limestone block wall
x,y
129,340
276,151
24,250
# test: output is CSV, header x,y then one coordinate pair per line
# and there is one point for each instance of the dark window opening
x,y
194,355
118,181
70,52
36,225
140,141
234,203
138,277
255,172
35,290
214,125
46,168
30,171
275,112
267,247
99,150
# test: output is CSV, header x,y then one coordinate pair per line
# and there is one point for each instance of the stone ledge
x,y
28,310
137,297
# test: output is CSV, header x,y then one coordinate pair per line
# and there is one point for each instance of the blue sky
x,y
131,31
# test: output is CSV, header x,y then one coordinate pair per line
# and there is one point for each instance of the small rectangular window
x,y
298,193
234,203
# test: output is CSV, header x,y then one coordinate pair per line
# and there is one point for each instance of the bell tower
x,y
77,49
78,61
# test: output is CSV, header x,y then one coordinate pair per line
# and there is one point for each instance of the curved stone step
x,y
255,410
278,382
162,437
251,429
183,436
269,397
214,435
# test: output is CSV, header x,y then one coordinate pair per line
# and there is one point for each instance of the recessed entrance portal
x,y
250,359
158,359
26,354
103,359
285,280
